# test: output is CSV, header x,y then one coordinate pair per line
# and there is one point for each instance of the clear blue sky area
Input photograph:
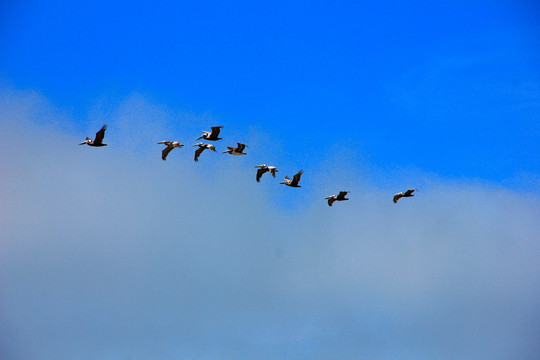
x,y
450,88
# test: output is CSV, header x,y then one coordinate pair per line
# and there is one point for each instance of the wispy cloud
x,y
113,253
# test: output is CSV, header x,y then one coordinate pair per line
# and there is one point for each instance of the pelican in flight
x,y
407,193
98,141
339,197
264,168
169,146
236,150
294,181
212,136
201,148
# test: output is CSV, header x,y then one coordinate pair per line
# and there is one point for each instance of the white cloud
x,y
113,253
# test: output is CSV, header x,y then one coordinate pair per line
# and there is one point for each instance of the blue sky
x,y
368,97
435,86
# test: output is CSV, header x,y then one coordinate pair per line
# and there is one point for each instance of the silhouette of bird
x,y
339,197
236,150
201,148
264,168
212,136
170,145
407,193
294,181
98,141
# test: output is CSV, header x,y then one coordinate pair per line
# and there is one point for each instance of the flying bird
x,y
407,193
170,145
212,136
236,150
201,148
339,197
98,141
264,168
294,181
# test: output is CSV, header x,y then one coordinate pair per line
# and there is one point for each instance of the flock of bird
x,y
239,150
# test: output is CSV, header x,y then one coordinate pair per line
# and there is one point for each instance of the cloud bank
x,y
113,253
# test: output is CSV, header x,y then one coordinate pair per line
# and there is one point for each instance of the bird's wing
x,y
397,197
166,152
215,131
331,200
100,135
409,192
198,153
296,178
260,172
240,147
342,195
272,171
